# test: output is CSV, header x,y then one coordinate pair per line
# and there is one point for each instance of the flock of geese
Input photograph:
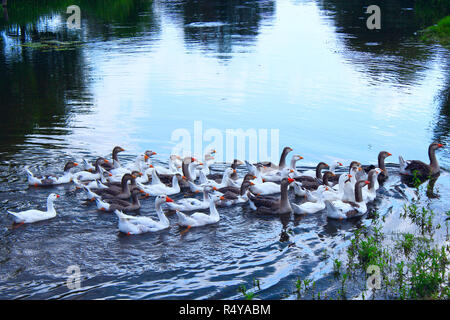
x,y
118,188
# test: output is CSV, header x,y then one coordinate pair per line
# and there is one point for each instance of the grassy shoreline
x,y
440,32
409,260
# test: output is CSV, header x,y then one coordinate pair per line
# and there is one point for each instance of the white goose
x,y
293,165
310,207
344,191
370,193
162,189
345,209
298,189
173,166
33,215
50,180
261,187
198,219
208,160
137,224
139,165
226,179
191,204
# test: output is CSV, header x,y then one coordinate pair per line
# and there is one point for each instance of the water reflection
x,y
145,68
407,59
216,25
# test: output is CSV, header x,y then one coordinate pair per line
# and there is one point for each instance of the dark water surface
x,y
310,69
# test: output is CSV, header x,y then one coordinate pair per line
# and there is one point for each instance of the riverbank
x,y
440,32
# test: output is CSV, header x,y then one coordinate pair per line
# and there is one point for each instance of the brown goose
x,y
123,193
229,198
312,183
422,169
381,157
110,205
270,205
117,186
269,166
308,176
116,163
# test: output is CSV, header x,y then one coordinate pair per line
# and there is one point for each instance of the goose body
x,y
309,207
423,170
272,205
110,205
138,224
370,193
344,209
267,167
191,204
50,180
162,189
199,219
33,215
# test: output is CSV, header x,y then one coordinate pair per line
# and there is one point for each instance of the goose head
x,y
53,196
385,154
162,199
149,154
436,145
70,165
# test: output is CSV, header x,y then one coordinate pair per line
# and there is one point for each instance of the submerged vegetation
x,y
409,265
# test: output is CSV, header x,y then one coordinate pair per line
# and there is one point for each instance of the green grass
x,y
439,32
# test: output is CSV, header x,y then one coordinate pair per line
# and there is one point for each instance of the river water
x,y
138,72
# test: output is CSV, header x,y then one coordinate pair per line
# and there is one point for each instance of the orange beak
x,y
290,180
57,196
222,198
350,176
106,160
75,164
146,157
340,163
359,169
440,145
110,174
367,181
168,199
389,154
